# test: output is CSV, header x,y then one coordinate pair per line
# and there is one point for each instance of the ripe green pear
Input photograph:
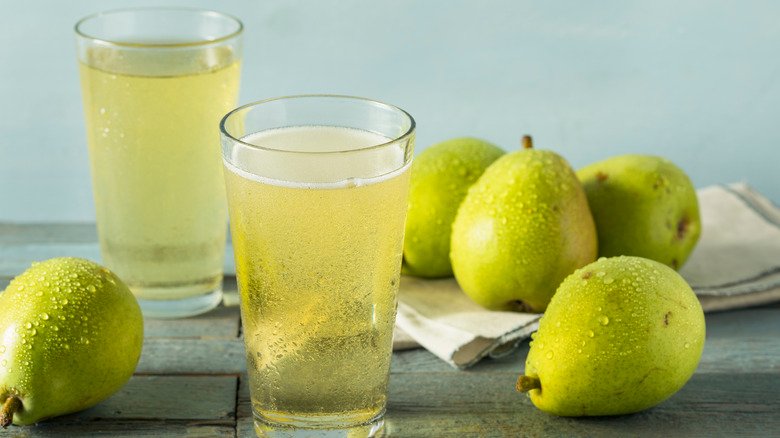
x,y
643,206
620,335
522,228
72,336
441,175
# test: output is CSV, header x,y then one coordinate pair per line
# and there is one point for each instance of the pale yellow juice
x,y
154,147
318,267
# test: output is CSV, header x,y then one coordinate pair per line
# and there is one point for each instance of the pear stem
x,y
528,142
527,383
11,405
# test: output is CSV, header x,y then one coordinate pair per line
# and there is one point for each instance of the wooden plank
x,y
533,423
23,243
243,387
192,356
421,360
14,259
245,425
762,322
47,233
222,322
476,404
183,406
479,392
740,355
208,398
123,429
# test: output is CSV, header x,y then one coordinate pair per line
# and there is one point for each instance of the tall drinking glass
x,y
155,82
317,189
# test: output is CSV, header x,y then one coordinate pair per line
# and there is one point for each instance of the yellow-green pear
x,y
643,206
441,175
522,228
620,335
72,336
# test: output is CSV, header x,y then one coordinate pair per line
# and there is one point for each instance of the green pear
x,y
522,228
441,175
72,336
620,335
643,206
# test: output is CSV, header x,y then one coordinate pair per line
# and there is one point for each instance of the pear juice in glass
x,y
317,189
155,83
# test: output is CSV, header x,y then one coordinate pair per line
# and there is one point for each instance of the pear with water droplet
x,y
522,228
621,335
71,336
643,206
441,175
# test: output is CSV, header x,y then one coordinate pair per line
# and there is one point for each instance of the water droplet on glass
x,y
549,355
91,288
21,287
44,316
687,345
604,319
591,334
28,325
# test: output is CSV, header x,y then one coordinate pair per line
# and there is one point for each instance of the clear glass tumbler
x,y
317,192
155,82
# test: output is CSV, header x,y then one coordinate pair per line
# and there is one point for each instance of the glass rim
x,y
204,42
406,135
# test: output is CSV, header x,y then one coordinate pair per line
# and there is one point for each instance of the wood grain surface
x,y
191,382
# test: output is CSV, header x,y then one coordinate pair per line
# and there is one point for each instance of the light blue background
x,y
695,81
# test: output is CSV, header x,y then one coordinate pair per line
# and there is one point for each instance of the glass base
x,y
309,429
181,308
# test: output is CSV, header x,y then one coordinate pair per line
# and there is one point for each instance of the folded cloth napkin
x,y
735,264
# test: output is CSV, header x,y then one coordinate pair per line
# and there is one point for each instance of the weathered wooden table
x,y
191,380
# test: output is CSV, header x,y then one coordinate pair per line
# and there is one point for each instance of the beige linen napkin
x,y
736,264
